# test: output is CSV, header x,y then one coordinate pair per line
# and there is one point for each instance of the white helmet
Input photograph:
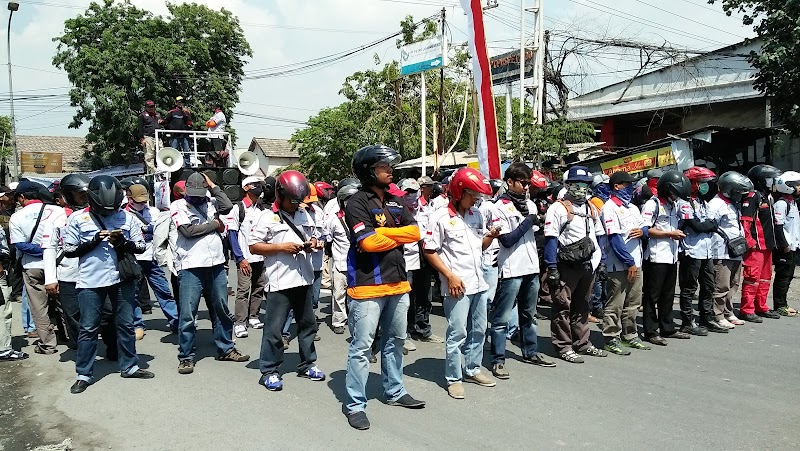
x,y
787,182
600,178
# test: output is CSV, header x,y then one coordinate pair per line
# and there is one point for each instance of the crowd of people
x,y
597,248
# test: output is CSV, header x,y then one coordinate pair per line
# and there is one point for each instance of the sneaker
x,y
186,367
285,343
432,339
138,374
358,420
499,371
752,318
234,356
255,323
408,402
338,330
594,352
537,360
480,379
769,314
727,324
636,343
714,326
240,331
273,382
456,390
734,320
313,373
614,346
409,345
13,355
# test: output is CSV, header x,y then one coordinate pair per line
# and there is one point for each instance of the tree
x,y
775,21
117,56
5,136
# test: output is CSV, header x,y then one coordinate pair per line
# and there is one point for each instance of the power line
x,y
691,20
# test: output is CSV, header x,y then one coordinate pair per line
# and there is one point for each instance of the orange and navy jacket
x,y
378,230
758,221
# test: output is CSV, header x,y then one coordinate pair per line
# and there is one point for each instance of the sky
x,y
289,31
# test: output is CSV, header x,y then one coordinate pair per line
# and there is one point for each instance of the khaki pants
x,y
338,298
726,284
39,305
150,153
327,262
249,293
622,307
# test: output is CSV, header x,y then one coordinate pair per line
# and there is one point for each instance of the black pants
x,y
657,297
784,272
691,273
72,318
145,302
276,310
419,308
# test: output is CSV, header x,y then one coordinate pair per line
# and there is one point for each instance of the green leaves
x,y
117,56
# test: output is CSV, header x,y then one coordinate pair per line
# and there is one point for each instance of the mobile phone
x,y
116,232
307,245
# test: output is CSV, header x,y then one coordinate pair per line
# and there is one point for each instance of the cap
x,y
252,180
5,190
395,191
579,174
425,181
196,185
655,173
150,103
138,193
13,185
179,98
269,183
312,194
408,185
620,177
179,188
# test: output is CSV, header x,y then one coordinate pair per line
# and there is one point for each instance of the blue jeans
x,y
27,319
466,331
212,283
490,275
363,319
181,143
90,302
316,285
276,308
157,280
598,300
525,290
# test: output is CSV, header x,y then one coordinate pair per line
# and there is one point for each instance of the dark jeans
x,y
691,273
90,301
72,317
143,298
657,298
598,300
525,291
784,272
276,308
421,298
212,283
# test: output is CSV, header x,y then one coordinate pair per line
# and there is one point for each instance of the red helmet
x,y
538,180
471,179
699,174
293,186
324,190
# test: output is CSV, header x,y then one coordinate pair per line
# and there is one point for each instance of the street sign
x,y
505,67
422,56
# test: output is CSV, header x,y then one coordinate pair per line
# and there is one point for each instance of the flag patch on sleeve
x,y
358,227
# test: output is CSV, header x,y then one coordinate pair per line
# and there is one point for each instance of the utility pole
x,y
12,7
473,120
441,87
546,57
537,48
399,107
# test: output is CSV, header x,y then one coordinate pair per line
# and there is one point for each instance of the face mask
x,y
195,200
137,206
577,192
411,200
703,188
256,191
625,194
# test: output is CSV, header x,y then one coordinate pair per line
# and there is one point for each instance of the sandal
x,y
594,352
787,311
571,357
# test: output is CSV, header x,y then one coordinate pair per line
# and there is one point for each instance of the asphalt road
x,y
734,391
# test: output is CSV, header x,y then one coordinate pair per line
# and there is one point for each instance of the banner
x,y
40,162
639,162
488,147
424,55
505,67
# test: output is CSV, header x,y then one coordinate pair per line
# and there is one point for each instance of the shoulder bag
x,y
127,265
736,246
580,251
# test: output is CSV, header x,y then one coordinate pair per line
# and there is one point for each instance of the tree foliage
x,y
778,63
5,136
117,56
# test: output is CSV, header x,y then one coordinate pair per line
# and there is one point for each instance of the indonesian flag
x,y
488,145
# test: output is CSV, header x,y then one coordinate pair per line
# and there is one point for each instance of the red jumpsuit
x,y
759,230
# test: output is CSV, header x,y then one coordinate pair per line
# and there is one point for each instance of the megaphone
x,y
248,163
169,159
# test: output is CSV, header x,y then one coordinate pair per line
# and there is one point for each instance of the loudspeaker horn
x,y
248,163
169,159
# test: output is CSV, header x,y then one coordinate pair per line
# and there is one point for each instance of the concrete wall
x,y
740,113
274,164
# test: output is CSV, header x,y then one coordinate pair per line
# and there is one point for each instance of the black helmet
x,y
347,181
734,185
105,194
347,188
73,183
496,184
674,183
437,189
292,185
135,180
759,175
365,159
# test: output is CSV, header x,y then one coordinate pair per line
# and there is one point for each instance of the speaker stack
x,y
228,179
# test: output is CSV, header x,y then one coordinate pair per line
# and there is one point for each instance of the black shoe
x,y
598,313
537,359
693,329
769,314
408,402
753,318
713,326
358,420
657,340
147,311
374,359
79,386
138,374
338,330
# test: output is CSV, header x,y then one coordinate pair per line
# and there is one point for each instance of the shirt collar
x,y
616,200
33,201
247,202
